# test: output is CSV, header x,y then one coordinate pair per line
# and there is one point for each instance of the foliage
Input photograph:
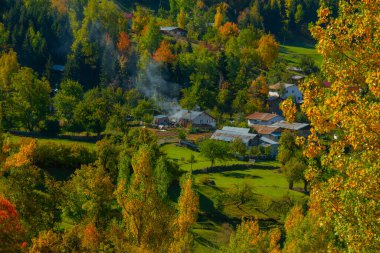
x,y
249,238
214,150
11,230
345,171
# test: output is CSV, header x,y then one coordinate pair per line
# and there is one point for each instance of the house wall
x,y
204,119
293,91
265,123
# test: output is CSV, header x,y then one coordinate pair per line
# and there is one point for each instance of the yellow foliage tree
x,y
268,49
181,18
188,209
345,120
24,156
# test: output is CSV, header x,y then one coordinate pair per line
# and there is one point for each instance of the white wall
x,y
293,91
204,119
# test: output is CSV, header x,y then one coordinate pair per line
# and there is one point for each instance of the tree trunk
x,y
291,185
305,186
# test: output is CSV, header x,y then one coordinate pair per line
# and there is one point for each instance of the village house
x,y
266,142
270,132
262,118
285,90
302,129
228,134
173,31
196,118
161,120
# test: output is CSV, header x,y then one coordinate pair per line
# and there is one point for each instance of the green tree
x,y
151,37
30,99
214,150
66,99
238,147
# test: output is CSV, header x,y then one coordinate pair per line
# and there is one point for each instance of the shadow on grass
x,y
224,168
239,175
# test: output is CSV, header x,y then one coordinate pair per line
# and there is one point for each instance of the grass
x,y
89,145
292,52
269,203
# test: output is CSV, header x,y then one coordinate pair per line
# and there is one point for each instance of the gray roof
x,y
268,141
160,116
236,129
228,136
169,28
58,68
290,126
186,115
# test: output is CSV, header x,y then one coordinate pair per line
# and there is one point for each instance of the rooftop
x,y
236,130
161,116
262,116
185,115
60,68
170,28
260,129
278,86
269,141
290,126
223,135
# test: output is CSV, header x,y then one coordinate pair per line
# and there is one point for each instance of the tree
x,y
4,35
163,53
238,147
218,18
227,30
88,196
151,36
124,43
268,49
66,99
30,98
146,216
249,238
214,150
345,170
11,230
181,18
188,205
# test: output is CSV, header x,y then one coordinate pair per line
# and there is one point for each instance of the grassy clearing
x,y
293,51
271,196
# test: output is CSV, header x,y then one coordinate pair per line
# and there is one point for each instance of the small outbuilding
x,y
161,120
173,31
196,118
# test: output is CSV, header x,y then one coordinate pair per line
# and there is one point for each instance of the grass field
x,y
270,201
292,52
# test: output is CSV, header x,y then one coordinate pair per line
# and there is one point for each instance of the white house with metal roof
x,y
228,134
185,117
285,90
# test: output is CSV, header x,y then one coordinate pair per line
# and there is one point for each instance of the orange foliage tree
x,y
345,141
124,43
24,156
228,29
11,230
164,53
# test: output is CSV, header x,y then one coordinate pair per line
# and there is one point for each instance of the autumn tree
x,y
228,29
181,18
345,134
124,43
146,216
188,205
268,49
11,230
164,53
249,238
88,195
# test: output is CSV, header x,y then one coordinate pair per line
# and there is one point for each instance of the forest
x,y
86,164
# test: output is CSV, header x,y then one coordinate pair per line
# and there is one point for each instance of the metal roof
x,y
290,126
267,140
264,129
160,116
186,115
169,28
58,68
278,86
229,136
239,130
263,116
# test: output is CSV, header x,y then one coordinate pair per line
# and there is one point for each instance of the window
x,y
293,91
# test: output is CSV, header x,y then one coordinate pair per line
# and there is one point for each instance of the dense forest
x,y
101,70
